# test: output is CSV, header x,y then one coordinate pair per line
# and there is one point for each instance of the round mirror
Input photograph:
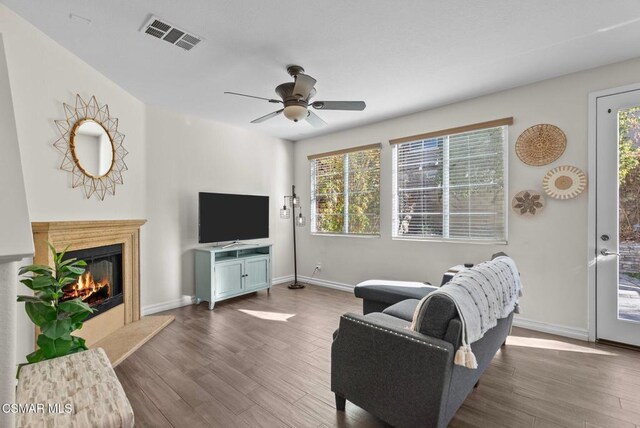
x,y
92,148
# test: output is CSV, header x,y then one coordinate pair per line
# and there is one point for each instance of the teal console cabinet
x,y
222,273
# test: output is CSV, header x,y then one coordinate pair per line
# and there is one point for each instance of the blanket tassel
x,y
470,359
460,358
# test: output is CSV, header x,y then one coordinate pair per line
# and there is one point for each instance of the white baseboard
x,y
329,284
169,304
560,330
282,279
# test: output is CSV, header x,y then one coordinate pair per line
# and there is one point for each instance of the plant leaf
x,y
54,252
42,281
32,299
77,325
78,318
38,282
57,329
73,269
27,282
38,269
75,306
47,295
67,280
54,348
66,262
79,342
36,356
40,312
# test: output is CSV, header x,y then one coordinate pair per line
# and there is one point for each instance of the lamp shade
x,y
300,220
295,112
285,213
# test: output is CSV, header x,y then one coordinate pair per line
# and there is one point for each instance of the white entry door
x,y
618,217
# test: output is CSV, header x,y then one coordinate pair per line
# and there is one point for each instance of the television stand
x,y
224,272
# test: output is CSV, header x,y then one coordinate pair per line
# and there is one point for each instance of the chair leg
x,y
340,403
504,343
476,385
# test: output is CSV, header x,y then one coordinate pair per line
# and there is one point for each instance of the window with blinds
x,y
451,187
345,192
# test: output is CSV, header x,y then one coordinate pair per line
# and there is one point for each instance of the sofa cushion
x,y
403,310
439,311
437,314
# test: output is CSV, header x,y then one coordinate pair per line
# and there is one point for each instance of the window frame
x,y
500,123
312,187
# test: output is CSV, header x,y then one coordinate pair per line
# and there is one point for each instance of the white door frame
x,y
591,212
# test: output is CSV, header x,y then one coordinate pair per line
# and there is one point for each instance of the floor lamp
x,y
298,221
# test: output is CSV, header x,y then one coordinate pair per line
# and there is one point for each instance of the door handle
x,y
606,252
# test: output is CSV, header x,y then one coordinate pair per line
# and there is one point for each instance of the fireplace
x,y
101,285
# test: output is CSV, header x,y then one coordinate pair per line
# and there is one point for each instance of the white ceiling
x,y
398,56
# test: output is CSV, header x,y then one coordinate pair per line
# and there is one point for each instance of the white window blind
x,y
451,187
345,192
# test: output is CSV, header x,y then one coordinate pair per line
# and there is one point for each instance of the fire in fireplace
x,y
100,286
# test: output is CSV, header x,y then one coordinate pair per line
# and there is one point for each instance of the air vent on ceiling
x,y
160,29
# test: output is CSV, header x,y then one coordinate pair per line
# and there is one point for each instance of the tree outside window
x,y
345,191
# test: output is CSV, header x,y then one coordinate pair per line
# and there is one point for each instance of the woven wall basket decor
x,y
528,203
541,144
564,182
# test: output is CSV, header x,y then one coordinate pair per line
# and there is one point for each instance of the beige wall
x,y
551,250
186,156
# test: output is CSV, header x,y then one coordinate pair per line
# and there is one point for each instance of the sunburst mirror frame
x,y
75,116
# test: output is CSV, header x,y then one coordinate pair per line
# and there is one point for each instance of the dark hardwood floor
x,y
264,361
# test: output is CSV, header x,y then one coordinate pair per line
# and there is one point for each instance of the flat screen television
x,y
226,217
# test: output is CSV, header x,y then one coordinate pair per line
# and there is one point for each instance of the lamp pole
x,y
295,284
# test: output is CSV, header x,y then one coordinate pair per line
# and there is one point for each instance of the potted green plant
x,y
56,319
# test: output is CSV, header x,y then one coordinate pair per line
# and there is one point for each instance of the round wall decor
x,y
92,147
541,144
528,203
564,182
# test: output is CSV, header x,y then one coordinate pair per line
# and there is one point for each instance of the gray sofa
x,y
408,378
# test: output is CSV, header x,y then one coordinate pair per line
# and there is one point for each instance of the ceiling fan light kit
x,y
295,112
296,98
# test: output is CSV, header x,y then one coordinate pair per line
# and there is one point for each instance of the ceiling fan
x,y
296,99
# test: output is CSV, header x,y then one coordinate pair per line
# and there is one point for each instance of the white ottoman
x,y
78,390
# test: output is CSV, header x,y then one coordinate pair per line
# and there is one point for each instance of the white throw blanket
x,y
482,294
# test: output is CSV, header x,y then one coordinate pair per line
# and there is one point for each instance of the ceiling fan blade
x,y
271,100
339,105
303,86
315,120
267,117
